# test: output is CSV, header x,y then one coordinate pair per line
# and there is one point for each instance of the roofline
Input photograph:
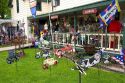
x,y
74,9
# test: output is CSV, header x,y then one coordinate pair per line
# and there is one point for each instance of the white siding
x,y
24,12
22,15
66,4
46,7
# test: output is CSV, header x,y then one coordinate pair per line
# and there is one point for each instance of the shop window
x,y
38,6
56,3
17,4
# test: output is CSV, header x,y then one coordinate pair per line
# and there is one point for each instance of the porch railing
x,y
107,41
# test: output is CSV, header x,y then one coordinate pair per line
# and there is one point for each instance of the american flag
x,y
119,59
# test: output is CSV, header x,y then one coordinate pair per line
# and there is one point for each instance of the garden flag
x,y
33,7
120,58
107,15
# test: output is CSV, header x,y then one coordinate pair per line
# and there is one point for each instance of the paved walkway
x,y
113,68
13,47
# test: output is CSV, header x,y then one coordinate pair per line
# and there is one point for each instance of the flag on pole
x,y
33,7
107,15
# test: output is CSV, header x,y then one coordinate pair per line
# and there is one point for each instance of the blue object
x,y
119,59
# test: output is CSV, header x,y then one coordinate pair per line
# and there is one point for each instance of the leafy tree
x,y
5,11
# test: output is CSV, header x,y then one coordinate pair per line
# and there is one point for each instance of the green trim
x,y
40,16
93,5
46,0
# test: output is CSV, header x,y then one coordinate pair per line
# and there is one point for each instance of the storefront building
x,y
82,16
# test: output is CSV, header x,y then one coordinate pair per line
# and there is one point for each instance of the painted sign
x,y
90,11
54,17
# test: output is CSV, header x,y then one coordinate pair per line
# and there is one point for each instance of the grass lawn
x,y
29,70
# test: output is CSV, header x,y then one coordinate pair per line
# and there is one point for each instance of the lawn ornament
x,y
60,52
105,57
43,51
49,62
119,58
36,44
42,38
20,53
43,46
19,40
83,64
98,57
113,58
12,57
86,63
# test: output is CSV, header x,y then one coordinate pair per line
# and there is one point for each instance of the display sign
x,y
90,11
54,17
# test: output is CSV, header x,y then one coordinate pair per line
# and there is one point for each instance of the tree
x,y
5,11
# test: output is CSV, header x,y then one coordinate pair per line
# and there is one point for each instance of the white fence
x,y
107,41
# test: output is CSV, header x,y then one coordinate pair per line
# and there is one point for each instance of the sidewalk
x,y
113,68
13,47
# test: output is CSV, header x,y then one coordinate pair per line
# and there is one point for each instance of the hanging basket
x,y
90,49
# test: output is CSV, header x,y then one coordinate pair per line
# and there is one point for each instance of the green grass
x,y
29,70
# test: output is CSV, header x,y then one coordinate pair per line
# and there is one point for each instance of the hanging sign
x,y
54,17
90,11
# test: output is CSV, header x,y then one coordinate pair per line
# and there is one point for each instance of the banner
x,y
33,8
106,16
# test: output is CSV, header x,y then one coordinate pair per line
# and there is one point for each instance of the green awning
x,y
46,0
93,5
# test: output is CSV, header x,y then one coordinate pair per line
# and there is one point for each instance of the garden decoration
x,y
119,58
19,41
60,52
83,64
12,57
49,62
43,37
107,58
43,47
44,52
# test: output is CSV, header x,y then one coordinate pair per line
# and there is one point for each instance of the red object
x,y
115,26
112,45
90,11
61,51
124,57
